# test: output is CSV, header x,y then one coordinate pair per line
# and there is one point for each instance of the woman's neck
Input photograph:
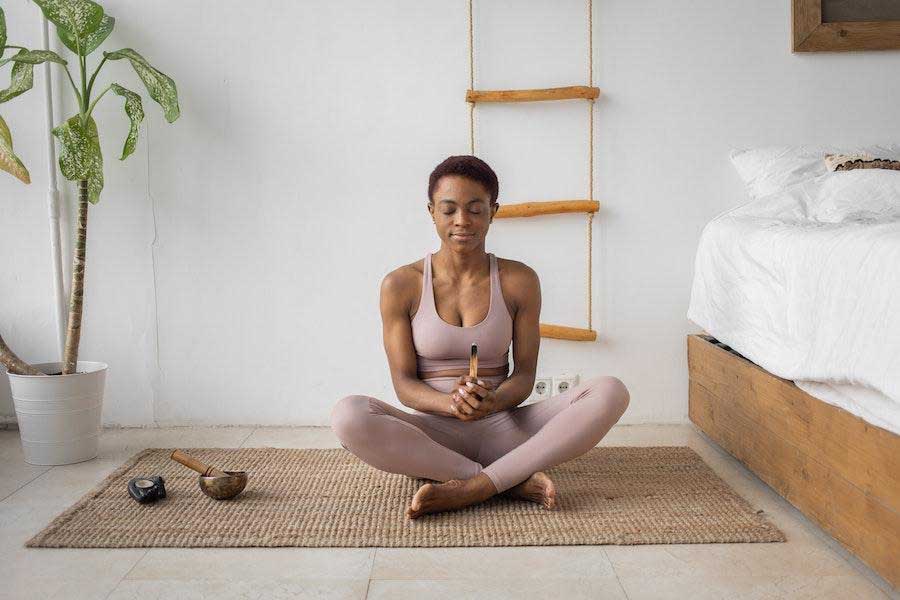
x,y
462,266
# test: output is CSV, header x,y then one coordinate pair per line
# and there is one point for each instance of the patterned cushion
x,y
847,162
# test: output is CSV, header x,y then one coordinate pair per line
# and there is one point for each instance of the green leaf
x,y
9,162
134,108
2,30
161,87
21,80
36,57
78,17
92,40
80,156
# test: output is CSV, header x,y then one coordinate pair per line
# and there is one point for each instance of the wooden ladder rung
x,y
561,332
572,92
552,207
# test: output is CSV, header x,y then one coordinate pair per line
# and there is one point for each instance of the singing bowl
x,y
222,488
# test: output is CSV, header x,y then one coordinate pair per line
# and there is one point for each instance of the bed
x,y
797,373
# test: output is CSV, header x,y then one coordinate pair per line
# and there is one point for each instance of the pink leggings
x,y
508,446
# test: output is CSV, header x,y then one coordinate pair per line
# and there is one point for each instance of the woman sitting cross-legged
x,y
470,435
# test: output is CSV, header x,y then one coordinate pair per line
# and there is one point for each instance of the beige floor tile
x,y
274,588
832,587
486,562
64,484
21,518
125,442
55,572
95,587
246,563
746,587
14,471
292,437
705,587
760,559
497,589
22,565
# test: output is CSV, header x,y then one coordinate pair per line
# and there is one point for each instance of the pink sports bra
x,y
440,345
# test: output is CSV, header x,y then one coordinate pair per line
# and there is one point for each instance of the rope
x,y
471,83
591,101
590,219
590,242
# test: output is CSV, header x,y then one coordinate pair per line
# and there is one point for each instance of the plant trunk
x,y
76,301
13,363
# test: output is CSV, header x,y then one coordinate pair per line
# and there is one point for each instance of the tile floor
x,y
809,565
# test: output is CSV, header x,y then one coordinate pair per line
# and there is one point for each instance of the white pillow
x,y
855,195
773,168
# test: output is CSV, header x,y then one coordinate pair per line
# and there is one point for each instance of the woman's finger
x,y
463,405
474,388
457,411
477,380
470,399
459,414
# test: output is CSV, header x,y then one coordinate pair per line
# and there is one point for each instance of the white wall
x,y
234,260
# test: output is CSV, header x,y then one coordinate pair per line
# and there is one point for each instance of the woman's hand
x,y
473,399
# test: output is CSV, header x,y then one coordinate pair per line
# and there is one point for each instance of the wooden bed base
x,y
839,470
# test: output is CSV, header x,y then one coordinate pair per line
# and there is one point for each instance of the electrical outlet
x,y
543,389
564,382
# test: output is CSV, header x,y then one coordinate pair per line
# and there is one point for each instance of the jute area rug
x,y
327,497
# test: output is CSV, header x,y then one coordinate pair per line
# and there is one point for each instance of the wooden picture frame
x,y
813,31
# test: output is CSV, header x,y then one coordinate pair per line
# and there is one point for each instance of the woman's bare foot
x,y
538,488
455,493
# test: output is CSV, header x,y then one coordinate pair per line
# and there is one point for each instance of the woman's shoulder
x,y
519,283
515,270
404,278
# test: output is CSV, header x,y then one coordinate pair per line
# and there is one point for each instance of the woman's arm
x,y
398,345
526,337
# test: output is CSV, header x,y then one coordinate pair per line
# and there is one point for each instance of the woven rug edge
x,y
63,517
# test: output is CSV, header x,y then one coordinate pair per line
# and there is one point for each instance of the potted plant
x,y
58,405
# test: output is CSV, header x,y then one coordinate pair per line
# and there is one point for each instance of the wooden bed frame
x,y
839,470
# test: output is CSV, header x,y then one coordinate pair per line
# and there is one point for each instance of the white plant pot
x,y
59,415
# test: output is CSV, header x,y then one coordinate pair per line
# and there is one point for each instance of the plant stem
x,y
94,76
82,62
76,302
13,363
97,99
74,87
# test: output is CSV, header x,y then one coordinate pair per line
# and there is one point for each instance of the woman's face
x,y
462,211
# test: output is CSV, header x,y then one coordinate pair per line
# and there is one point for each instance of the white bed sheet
x,y
816,303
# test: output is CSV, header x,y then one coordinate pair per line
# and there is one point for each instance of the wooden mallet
x,y
201,467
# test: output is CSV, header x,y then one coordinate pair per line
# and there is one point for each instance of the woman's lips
x,y
467,236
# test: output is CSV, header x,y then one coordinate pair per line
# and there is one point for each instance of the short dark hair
x,y
467,166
